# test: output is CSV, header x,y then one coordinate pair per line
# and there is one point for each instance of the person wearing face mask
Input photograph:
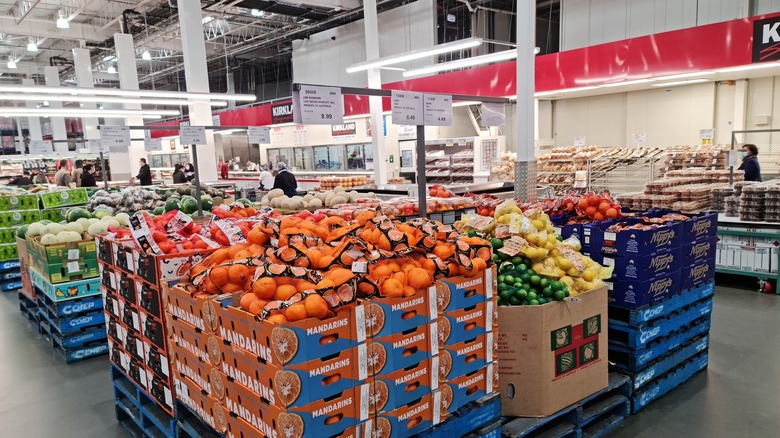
x,y
750,163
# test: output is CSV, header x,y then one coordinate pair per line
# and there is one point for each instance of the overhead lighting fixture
x,y
81,112
748,67
146,56
109,58
78,91
62,22
675,84
99,99
683,76
453,46
111,69
626,83
11,63
207,19
257,13
462,63
31,46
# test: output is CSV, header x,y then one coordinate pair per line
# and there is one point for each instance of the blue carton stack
x,y
660,296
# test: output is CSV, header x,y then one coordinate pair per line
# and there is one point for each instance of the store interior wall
x,y
589,22
323,58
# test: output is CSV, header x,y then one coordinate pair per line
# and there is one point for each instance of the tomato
x,y
604,206
583,204
594,200
599,216
611,213
591,211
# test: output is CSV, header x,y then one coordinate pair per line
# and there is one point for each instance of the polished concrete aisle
x,y
41,397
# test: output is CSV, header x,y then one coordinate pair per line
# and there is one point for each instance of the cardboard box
x,y
187,337
149,299
466,357
17,218
105,253
129,316
704,271
630,241
206,408
107,277
406,385
159,269
456,326
161,391
65,291
157,361
401,350
641,267
542,351
131,342
126,286
8,235
123,255
204,375
137,372
111,305
461,292
694,252
386,316
468,388
20,202
154,330
9,251
702,226
410,419
631,294
63,198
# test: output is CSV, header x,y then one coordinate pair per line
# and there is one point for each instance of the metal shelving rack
x,y
447,173
623,175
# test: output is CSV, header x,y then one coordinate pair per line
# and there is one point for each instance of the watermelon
x,y
76,213
158,211
172,204
189,204
208,202
21,232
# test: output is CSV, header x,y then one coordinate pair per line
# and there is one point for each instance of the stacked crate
x,y
660,300
57,202
15,211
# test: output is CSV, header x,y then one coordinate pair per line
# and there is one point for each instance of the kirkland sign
x,y
766,40
281,113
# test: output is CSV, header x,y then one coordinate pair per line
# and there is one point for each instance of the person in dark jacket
x,y
88,176
144,174
178,174
750,163
189,172
285,180
23,180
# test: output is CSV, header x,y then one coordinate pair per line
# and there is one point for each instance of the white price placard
x,y
438,110
579,142
640,139
408,108
192,135
314,105
41,147
115,136
153,145
493,114
96,147
259,135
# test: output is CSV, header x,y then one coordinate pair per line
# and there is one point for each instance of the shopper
x,y
144,176
39,177
62,177
223,170
750,163
189,172
179,177
285,180
77,172
88,176
266,179
23,180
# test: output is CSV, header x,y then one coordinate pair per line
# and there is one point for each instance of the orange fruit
x,y
380,272
409,291
296,312
302,285
277,318
257,236
232,287
284,292
420,278
197,269
257,306
264,287
233,250
246,300
479,264
219,276
326,261
243,254
238,273
391,288
316,306
280,281
394,267
325,284
443,251
402,277
220,256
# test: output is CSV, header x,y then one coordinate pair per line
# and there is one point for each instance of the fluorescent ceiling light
x,y
80,112
257,13
11,63
635,82
109,58
453,46
99,99
75,91
146,56
462,63
111,69
674,84
748,67
207,19
683,76
62,22
32,47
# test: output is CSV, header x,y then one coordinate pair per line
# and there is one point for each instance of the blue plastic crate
x,y
627,359
9,265
75,323
470,417
671,380
81,338
638,338
72,307
93,349
639,316
11,275
10,285
666,363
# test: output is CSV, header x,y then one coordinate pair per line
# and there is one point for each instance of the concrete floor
x,y
41,397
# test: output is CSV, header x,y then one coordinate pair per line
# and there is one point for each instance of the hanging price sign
x,y
408,108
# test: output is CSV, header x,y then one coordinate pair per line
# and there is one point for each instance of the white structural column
x,y
33,123
375,102
197,77
82,64
128,80
59,133
740,111
525,168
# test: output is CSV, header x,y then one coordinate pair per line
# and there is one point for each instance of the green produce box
x,y
21,202
15,218
68,271
53,214
65,291
8,251
7,235
64,198
63,252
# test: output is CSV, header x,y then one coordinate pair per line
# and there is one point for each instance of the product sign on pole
x,y
41,147
153,145
579,142
96,147
313,105
115,136
438,110
706,136
408,108
639,139
259,134
493,114
192,135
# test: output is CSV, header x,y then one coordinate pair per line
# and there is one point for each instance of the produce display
x,y
709,157
347,182
689,190
277,199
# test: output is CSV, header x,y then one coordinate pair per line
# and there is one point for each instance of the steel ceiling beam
x,y
23,8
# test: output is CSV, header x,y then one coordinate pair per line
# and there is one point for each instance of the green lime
x,y
518,283
566,292
515,301
526,287
522,294
504,295
509,279
545,282
503,256
501,278
559,295
536,280
526,277
517,260
505,267
560,239
532,295
502,287
496,243
496,258
547,292
534,302
522,266
543,300
472,233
